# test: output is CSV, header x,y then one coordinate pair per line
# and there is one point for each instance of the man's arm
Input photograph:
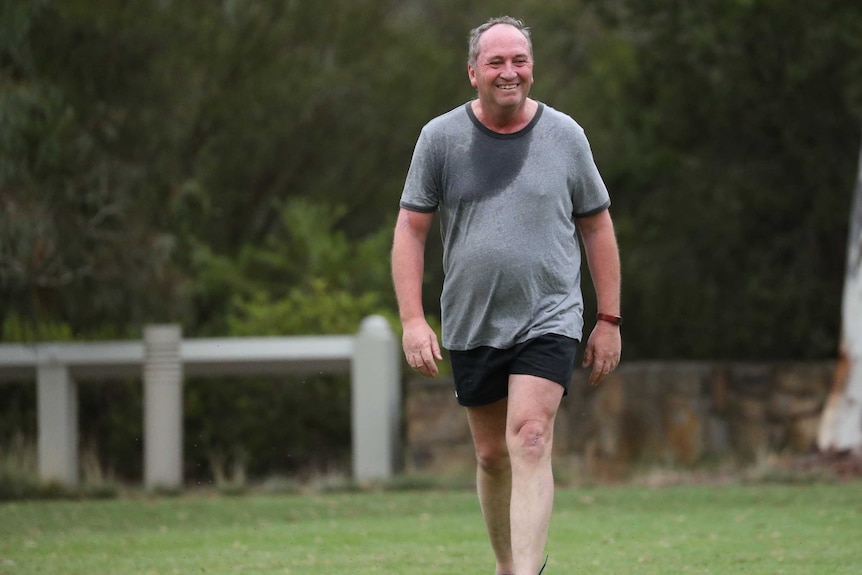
x,y
600,244
408,265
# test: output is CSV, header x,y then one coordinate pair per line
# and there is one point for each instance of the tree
x,y
731,175
136,136
841,423
79,242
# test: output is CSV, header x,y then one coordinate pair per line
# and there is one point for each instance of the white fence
x,y
163,359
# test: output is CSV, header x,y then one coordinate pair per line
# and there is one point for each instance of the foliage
x,y
306,277
17,329
76,239
149,150
235,167
732,212
19,477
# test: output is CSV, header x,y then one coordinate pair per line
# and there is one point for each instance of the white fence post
x,y
163,404
57,405
375,401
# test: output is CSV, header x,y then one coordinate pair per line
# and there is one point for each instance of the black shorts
x,y
482,374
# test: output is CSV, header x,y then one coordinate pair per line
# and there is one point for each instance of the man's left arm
x,y
604,345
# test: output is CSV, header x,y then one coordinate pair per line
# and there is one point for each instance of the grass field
x,y
757,529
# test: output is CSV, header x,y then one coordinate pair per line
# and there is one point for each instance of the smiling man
x,y
514,184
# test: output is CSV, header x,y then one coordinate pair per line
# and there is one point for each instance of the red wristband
x,y
614,319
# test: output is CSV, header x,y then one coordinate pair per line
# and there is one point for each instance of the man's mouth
x,y
507,86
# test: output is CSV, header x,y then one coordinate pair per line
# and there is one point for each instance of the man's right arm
x,y
421,348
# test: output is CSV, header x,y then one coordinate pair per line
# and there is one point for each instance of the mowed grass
x,y
758,529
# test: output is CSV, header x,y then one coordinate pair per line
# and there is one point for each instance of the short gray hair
x,y
476,34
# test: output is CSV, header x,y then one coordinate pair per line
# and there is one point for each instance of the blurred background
x,y
235,167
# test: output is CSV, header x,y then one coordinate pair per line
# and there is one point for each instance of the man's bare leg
x,y
532,408
493,477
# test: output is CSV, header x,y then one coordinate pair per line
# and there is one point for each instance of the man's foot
x,y
540,570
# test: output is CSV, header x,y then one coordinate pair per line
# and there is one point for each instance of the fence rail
x,y
163,359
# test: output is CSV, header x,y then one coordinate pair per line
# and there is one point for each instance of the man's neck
x,y
505,121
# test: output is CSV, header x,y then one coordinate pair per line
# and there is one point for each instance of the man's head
x,y
476,34
501,65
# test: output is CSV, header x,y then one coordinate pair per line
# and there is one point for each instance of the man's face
x,y
504,68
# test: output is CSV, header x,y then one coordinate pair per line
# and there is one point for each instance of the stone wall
x,y
644,414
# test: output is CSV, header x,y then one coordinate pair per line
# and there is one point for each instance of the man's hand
x,y
603,350
420,347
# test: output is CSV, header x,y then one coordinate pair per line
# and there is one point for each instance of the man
x,y
514,183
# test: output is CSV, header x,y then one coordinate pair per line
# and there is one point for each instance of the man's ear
x,y
471,73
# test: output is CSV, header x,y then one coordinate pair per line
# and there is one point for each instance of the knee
x,y
493,459
531,439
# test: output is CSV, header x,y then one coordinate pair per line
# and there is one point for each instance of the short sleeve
x,y
589,193
422,186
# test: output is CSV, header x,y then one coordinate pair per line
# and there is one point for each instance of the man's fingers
x,y
596,375
435,348
601,368
419,365
428,363
588,356
422,354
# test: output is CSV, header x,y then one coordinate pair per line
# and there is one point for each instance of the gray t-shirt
x,y
507,204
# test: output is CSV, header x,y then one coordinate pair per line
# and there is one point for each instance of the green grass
x,y
758,529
